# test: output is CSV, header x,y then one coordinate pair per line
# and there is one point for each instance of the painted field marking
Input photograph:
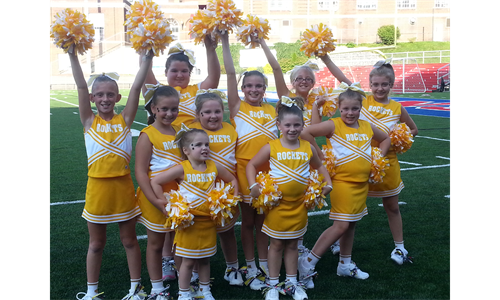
x,y
431,138
409,163
425,167
400,203
442,157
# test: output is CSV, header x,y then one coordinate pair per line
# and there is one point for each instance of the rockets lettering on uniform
x,y
169,145
380,109
220,138
205,177
292,155
260,114
185,96
109,128
356,137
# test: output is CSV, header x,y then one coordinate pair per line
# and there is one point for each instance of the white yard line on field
x,y
431,138
442,157
409,163
425,167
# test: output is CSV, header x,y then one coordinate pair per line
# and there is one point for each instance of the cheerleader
x,y
350,139
290,158
155,152
385,113
178,69
196,177
110,196
223,136
255,123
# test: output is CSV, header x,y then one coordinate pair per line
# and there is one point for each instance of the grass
x,y
426,218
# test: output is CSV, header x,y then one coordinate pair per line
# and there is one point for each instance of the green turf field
x,y
426,218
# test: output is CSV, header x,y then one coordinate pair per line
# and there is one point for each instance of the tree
x,y
386,34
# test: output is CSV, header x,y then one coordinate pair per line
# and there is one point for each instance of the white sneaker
x,y
233,276
159,295
168,269
272,294
295,290
136,294
335,248
255,281
194,289
306,275
351,270
400,256
87,297
207,295
303,251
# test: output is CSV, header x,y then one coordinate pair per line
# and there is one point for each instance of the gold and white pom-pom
x,y
270,195
201,25
401,137
317,41
330,106
177,208
314,197
72,28
152,34
330,160
139,12
221,202
380,164
252,29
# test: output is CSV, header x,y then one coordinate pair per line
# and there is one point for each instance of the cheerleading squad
x,y
186,153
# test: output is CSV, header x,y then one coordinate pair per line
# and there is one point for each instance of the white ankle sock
x,y
345,259
92,288
400,245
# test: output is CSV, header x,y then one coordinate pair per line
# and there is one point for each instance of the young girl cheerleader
x,y
196,177
255,123
155,153
290,158
223,136
110,196
178,68
350,139
385,113
303,80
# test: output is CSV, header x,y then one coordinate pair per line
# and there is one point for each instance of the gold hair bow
x,y
221,94
181,132
177,48
288,101
151,89
382,62
111,75
354,86
314,66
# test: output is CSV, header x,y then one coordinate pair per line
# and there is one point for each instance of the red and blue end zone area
x,y
425,107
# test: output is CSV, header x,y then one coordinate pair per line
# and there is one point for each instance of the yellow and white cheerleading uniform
x,y
308,105
200,239
222,151
290,170
384,117
110,195
352,149
165,154
256,126
187,108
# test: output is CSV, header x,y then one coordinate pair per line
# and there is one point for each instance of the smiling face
x,y
303,81
381,87
211,115
105,95
166,109
178,74
198,148
254,88
290,125
350,109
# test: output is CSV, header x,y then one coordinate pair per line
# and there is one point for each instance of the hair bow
x,y
221,94
112,75
356,86
382,62
177,48
181,132
288,101
151,89
314,66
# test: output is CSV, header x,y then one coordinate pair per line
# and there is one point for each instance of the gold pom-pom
x,y
221,201
72,28
330,106
314,197
401,137
179,216
147,27
270,195
219,16
379,165
253,28
330,160
317,41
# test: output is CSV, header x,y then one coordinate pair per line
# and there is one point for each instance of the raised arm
x,y
279,79
213,66
332,67
233,99
86,113
150,76
251,170
130,109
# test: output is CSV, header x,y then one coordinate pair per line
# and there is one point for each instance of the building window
x,y
407,4
280,5
441,3
174,26
328,5
447,22
366,4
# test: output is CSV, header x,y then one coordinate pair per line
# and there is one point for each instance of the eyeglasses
x,y
307,79
383,84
